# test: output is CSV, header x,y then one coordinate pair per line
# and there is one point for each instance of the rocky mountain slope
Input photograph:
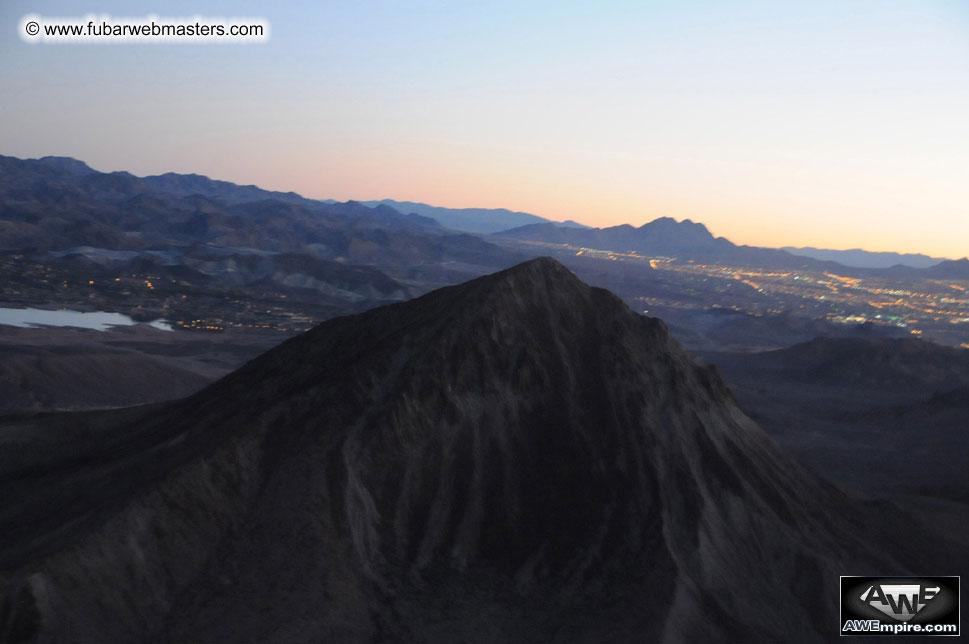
x,y
520,458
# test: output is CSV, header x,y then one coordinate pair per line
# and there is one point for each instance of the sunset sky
x,y
835,123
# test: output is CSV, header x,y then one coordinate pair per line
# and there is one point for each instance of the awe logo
x,y
899,601
899,606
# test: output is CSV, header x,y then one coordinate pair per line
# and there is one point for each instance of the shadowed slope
x,y
518,458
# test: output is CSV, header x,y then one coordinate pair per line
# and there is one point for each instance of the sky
x,y
834,123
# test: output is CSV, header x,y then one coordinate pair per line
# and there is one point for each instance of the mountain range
x,y
520,458
59,212
56,204
474,220
60,203
664,237
866,259
477,220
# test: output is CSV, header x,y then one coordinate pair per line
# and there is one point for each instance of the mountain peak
x,y
668,223
522,446
68,164
547,266
663,236
541,286
950,269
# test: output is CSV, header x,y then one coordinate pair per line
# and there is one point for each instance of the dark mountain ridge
x,y
879,415
68,164
197,184
73,377
950,269
913,367
518,458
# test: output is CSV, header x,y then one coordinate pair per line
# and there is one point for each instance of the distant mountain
x,y
884,416
520,458
950,269
663,234
196,184
684,240
866,259
181,184
186,248
56,204
473,220
69,165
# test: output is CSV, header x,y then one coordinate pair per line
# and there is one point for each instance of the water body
x,y
99,320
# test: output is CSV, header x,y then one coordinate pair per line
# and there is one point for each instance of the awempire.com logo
x,y
900,605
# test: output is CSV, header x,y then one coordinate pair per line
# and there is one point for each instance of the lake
x,y
99,320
